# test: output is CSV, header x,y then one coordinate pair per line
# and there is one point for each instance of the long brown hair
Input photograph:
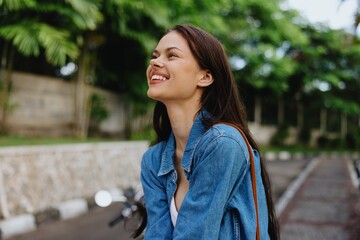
x,y
221,99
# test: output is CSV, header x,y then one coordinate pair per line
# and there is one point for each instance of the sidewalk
x,y
324,205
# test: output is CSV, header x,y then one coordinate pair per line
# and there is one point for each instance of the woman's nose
x,y
156,62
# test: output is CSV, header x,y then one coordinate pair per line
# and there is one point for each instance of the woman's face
x,y
173,73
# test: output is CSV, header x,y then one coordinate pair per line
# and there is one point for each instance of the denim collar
x,y
196,132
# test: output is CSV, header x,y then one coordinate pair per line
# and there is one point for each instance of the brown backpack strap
x,y
253,176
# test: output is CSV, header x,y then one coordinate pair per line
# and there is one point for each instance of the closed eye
x,y
172,55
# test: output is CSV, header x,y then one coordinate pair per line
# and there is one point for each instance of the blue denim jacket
x,y
219,203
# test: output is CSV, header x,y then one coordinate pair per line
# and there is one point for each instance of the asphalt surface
x,y
283,172
325,194
92,225
323,206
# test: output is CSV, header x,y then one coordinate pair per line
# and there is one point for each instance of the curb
x,y
30,222
65,210
294,186
17,225
286,155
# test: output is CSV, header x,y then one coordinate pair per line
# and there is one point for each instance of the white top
x,y
173,212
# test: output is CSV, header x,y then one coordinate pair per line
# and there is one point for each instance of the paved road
x,y
283,172
89,226
324,205
93,225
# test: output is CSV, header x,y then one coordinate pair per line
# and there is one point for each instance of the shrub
x,y
98,113
304,135
326,141
352,139
279,137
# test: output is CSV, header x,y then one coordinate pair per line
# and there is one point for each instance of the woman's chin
x,y
153,95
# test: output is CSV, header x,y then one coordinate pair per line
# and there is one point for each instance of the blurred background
x,y
75,118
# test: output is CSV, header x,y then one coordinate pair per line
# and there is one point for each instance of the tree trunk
x,y
343,126
281,112
7,60
82,108
300,115
258,110
4,59
323,121
83,90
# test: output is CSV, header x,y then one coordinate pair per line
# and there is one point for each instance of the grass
x,y
305,149
6,141
147,134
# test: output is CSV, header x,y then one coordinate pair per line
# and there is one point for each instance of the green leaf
x,y
56,44
23,37
89,15
17,4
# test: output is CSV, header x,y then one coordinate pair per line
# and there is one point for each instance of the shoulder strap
x,y
253,176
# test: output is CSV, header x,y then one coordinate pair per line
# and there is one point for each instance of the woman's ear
x,y
206,79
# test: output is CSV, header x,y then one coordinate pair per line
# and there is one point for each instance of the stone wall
x,y
261,133
45,106
35,178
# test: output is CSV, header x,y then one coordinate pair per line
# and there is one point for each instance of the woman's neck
x,y
182,118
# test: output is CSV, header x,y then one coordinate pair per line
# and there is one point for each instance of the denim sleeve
x,y
217,173
158,216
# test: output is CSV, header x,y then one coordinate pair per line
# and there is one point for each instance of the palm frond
x,y
28,37
56,44
23,37
89,13
17,4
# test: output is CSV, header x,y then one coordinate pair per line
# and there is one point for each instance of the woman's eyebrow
x,y
171,48
167,49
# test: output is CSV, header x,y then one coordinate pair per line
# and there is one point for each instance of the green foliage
x,y
54,26
6,141
137,20
22,37
279,53
17,4
147,134
327,141
304,135
98,111
263,49
279,137
87,13
326,70
343,105
352,139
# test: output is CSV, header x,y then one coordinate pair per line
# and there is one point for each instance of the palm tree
x,y
30,33
356,16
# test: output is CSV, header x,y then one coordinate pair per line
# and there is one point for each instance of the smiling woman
x,y
178,72
204,178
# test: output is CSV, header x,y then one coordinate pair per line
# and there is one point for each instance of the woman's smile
x,y
157,77
173,57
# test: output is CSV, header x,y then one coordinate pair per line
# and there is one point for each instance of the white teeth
x,y
158,77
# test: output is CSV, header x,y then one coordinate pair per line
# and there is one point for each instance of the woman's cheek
x,y
148,72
